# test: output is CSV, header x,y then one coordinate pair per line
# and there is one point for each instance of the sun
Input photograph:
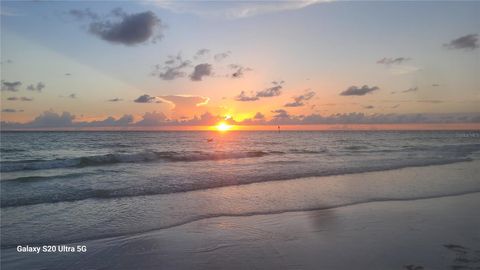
x,y
222,126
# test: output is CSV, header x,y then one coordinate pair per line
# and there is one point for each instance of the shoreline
x,y
434,233
307,194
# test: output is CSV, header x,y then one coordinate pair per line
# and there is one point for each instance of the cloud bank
x,y
50,119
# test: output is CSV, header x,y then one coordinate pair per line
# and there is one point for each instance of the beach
x,y
427,229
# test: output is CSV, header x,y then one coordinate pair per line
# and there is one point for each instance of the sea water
x,y
61,187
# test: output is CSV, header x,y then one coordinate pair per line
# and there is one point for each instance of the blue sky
x,y
324,48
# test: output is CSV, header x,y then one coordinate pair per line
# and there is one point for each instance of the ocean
x,y
64,187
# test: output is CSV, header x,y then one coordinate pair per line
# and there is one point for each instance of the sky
x,y
128,64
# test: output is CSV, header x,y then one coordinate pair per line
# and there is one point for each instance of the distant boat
x,y
210,140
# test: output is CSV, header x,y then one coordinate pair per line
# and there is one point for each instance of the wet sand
x,y
436,233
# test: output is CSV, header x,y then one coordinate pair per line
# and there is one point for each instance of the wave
x,y
191,219
34,178
147,156
84,194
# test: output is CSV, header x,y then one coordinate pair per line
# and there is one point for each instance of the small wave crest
x,y
147,156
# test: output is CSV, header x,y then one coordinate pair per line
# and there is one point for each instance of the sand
x,y
436,233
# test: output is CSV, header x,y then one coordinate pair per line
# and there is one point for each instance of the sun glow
x,y
222,126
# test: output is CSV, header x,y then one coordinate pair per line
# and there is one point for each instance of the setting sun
x,y
223,126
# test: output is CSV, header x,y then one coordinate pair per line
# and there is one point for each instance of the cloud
x,y
200,53
10,86
147,99
118,27
468,42
393,61
172,68
68,74
358,91
81,14
184,105
200,71
411,89
220,56
259,116
73,96
26,99
238,70
50,119
368,107
232,9
300,100
435,85
110,121
243,97
115,100
11,110
152,119
39,87
280,114
273,91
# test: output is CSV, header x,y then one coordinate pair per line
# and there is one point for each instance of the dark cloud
x,y
368,107
300,100
10,86
12,98
73,96
435,85
358,91
411,89
172,68
127,29
39,87
115,100
147,99
468,42
244,97
220,56
68,74
200,71
238,70
392,61
273,91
